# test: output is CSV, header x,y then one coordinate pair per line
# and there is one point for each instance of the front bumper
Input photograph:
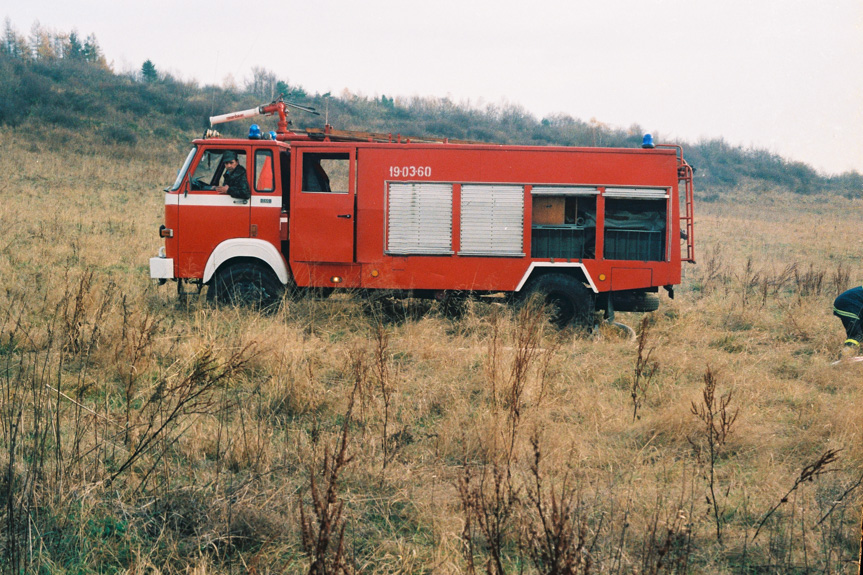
x,y
162,268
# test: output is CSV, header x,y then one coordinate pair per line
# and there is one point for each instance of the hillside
x,y
72,89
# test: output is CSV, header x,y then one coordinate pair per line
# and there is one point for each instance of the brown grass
x,y
139,434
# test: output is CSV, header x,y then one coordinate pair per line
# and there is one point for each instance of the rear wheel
x,y
567,299
635,301
246,284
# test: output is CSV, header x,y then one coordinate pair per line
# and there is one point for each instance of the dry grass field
x,y
143,434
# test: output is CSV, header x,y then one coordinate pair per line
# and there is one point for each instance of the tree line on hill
x,y
58,80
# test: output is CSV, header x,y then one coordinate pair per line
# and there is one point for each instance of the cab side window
x,y
285,163
264,175
210,168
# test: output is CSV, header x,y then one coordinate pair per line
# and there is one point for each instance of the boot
x,y
850,350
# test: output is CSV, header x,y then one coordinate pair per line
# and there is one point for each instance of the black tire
x,y
568,300
636,301
650,302
246,284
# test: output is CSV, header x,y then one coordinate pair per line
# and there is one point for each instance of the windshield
x,y
182,171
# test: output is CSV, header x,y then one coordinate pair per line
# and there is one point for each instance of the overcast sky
x,y
782,75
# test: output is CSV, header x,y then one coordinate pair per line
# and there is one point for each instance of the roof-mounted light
x,y
647,142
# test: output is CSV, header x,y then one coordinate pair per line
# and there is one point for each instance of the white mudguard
x,y
247,248
535,265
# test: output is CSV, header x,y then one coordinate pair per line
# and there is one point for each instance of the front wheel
x,y
566,298
246,284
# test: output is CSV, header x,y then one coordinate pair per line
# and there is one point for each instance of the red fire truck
x,y
590,229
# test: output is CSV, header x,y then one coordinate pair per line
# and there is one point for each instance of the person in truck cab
x,y
235,182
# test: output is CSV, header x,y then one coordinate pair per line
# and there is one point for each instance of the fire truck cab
x,y
587,228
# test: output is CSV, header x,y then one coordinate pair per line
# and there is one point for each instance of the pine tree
x,y
92,53
13,43
74,50
148,72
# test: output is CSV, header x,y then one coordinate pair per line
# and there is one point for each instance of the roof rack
x,y
329,134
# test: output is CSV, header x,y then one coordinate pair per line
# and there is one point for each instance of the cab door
x,y
323,214
266,196
206,217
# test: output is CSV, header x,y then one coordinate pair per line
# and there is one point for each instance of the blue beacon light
x,y
254,132
647,142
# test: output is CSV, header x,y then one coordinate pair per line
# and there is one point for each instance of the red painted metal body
x,y
349,236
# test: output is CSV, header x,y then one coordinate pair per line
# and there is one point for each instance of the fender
x,y
249,248
534,265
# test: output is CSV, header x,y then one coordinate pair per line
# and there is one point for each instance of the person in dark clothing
x,y
235,182
848,308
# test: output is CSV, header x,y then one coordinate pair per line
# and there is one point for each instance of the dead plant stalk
x,y
718,420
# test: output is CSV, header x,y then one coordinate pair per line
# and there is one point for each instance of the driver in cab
x,y
235,183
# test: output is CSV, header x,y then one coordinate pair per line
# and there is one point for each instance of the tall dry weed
x,y
323,528
717,417
645,368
